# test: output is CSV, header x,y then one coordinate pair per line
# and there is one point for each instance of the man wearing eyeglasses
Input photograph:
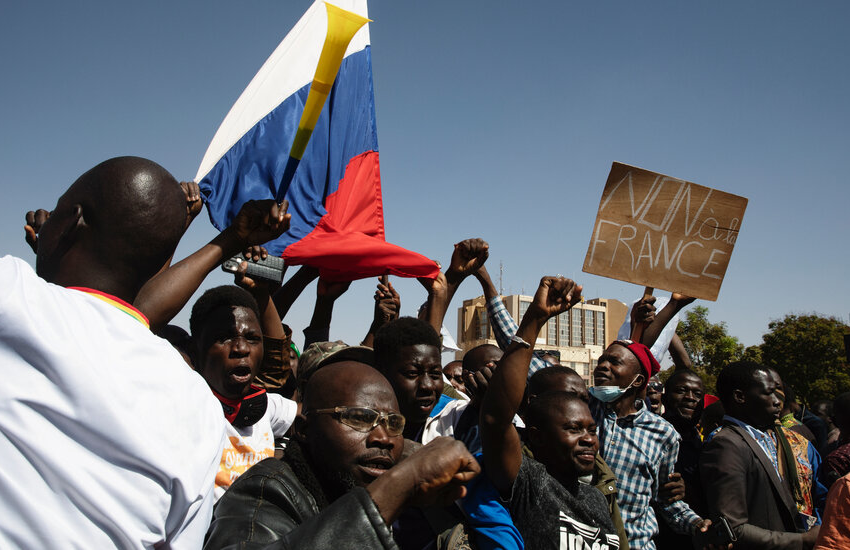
x,y
341,481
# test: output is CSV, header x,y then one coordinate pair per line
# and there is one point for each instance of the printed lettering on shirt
x,y
575,535
239,455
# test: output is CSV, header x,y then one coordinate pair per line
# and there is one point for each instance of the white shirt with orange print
x,y
247,446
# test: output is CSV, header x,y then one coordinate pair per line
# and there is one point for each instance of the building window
x,y
552,332
589,327
523,307
482,329
564,329
575,323
600,328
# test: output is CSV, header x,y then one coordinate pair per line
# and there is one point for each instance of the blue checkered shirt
x,y
504,328
641,449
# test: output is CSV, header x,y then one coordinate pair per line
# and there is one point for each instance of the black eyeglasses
x,y
364,420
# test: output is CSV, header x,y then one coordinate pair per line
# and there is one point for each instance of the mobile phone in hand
x,y
720,534
271,268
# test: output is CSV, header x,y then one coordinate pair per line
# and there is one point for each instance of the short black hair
x,y
403,332
538,408
468,356
220,296
739,375
538,381
678,373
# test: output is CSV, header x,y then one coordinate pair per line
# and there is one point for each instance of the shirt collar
x,y
115,302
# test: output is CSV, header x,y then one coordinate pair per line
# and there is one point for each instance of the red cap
x,y
644,357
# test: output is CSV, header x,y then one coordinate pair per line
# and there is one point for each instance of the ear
x,y
299,428
70,225
639,382
738,397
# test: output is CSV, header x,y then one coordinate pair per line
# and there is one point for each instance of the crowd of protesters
x,y
118,429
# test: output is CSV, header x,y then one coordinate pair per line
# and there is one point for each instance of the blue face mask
x,y
609,394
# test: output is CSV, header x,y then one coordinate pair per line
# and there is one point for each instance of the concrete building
x,y
578,336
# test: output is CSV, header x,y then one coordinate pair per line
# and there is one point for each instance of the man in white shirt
x,y
228,339
108,439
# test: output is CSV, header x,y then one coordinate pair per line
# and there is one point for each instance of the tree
x,y
808,352
708,344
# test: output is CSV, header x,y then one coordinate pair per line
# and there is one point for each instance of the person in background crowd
x,y
748,469
838,461
683,406
812,491
823,410
454,373
654,389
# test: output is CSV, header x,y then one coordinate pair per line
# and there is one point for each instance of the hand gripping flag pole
x,y
342,26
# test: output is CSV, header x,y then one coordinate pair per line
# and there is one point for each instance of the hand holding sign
x,y
662,232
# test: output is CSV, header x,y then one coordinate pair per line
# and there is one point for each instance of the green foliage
x,y
808,352
708,344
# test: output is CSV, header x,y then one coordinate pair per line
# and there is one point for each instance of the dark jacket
x,y
741,484
269,504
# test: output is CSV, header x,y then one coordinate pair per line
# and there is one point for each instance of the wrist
x,y
390,493
229,242
454,278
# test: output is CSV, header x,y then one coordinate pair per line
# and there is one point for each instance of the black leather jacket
x,y
268,507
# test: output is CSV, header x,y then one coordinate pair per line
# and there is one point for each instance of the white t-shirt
x,y
107,437
245,447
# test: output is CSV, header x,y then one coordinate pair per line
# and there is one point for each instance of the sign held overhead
x,y
663,232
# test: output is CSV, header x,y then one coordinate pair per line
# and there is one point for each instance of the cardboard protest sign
x,y
663,232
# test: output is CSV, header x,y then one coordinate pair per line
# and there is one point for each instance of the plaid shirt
x,y
504,328
642,449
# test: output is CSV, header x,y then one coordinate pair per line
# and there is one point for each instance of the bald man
x,y
340,480
108,438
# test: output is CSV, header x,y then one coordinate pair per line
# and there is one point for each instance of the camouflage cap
x,y
319,354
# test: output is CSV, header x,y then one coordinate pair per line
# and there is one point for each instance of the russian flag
x,y
335,196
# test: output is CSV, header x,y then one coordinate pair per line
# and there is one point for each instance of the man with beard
x,y
748,468
340,482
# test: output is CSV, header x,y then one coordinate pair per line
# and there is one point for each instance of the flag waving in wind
x,y
335,195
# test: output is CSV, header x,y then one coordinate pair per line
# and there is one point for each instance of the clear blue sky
x,y
495,119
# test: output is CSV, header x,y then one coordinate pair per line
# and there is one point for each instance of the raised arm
x,y
467,258
502,324
679,354
292,289
387,306
671,309
165,294
320,325
501,443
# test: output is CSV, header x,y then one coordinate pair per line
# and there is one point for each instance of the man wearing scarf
x,y
748,468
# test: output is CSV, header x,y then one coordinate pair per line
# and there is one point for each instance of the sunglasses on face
x,y
364,420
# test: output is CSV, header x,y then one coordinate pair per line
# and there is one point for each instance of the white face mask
x,y
609,394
